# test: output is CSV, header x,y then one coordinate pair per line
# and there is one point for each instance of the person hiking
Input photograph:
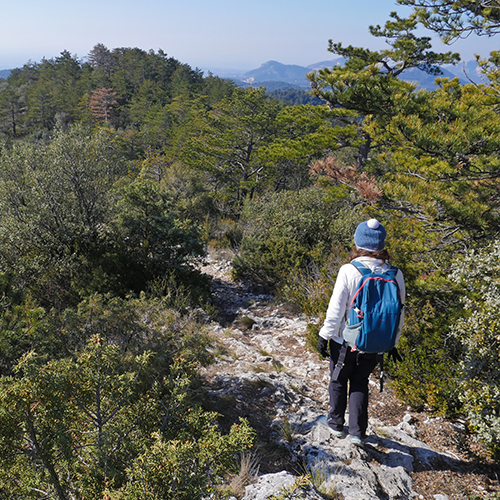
x,y
349,375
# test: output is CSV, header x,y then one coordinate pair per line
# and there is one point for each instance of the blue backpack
x,y
375,310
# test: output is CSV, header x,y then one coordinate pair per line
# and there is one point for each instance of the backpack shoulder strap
x,y
363,270
393,270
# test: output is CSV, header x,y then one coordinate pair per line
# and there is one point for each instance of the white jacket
x,y
338,309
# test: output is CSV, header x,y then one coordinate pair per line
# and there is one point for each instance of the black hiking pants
x,y
352,381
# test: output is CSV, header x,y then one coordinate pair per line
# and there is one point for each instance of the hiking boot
x,y
337,434
356,440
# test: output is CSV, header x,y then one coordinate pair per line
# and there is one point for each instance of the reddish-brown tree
x,y
101,104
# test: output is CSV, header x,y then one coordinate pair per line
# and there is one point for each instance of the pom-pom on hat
x,y
370,235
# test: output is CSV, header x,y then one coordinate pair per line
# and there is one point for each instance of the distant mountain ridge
x,y
274,71
5,73
280,75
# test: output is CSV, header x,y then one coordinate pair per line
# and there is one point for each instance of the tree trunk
x,y
54,479
364,151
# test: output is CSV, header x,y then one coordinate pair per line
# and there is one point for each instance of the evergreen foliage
x,y
285,233
128,88
293,96
454,19
248,144
478,333
99,417
55,200
68,228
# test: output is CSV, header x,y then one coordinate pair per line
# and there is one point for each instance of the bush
x,y
287,233
310,288
268,260
427,378
144,242
73,223
187,468
223,234
478,332
54,199
114,412
188,193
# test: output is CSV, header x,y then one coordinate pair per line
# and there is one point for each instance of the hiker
x,y
350,375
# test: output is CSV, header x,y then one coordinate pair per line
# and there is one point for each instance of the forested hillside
x,y
116,175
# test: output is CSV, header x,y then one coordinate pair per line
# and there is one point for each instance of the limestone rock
x,y
270,485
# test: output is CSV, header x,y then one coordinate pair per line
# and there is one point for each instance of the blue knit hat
x,y
370,235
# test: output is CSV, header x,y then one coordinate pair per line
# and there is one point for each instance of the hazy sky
x,y
239,34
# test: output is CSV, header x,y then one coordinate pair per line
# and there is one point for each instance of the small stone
x,y
266,391
408,419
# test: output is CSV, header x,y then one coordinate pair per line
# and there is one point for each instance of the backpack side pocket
x,y
351,333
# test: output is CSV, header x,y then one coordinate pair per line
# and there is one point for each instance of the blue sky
x,y
227,34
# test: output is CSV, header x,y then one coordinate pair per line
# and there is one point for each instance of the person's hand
x,y
323,347
394,355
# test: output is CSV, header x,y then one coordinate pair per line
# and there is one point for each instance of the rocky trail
x,y
266,373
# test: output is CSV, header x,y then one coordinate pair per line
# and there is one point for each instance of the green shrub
x,y
54,199
287,234
267,260
188,193
478,332
427,379
73,223
147,240
187,468
308,216
113,413
222,234
310,288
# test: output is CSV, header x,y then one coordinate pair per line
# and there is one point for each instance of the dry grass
x,y
248,474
